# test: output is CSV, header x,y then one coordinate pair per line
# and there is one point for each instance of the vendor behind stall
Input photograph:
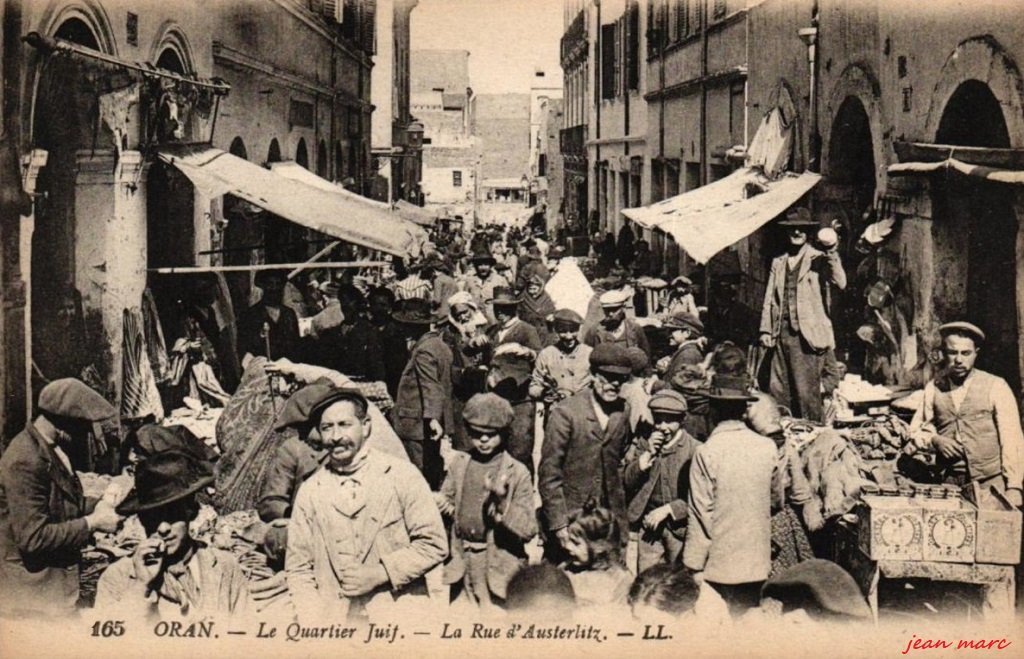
x,y
971,419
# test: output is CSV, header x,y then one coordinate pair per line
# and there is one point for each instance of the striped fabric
x,y
412,286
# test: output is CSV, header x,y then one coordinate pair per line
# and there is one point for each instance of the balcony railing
x,y
572,141
574,41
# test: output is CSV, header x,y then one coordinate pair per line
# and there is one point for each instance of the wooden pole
x,y
333,265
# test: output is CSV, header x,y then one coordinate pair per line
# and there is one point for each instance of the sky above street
x,y
507,39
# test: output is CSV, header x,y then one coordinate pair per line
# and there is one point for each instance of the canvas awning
x,y
952,165
708,219
403,209
216,173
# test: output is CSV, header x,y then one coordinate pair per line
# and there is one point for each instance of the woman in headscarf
x,y
464,333
536,306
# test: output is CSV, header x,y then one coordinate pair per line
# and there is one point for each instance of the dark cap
x,y
683,320
798,217
566,318
264,276
333,396
668,401
164,478
487,412
418,311
298,406
611,358
73,399
504,296
729,388
818,582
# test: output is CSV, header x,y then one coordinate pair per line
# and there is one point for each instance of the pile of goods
x,y
882,438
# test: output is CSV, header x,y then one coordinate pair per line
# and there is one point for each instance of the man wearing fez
x,y
971,419
44,521
170,576
584,442
795,320
365,528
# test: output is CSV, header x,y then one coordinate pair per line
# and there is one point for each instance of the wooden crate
x,y
999,527
892,528
950,533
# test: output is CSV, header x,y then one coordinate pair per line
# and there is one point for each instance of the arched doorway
x,y
301,154
274,152
975,219
850,192
64,121
339,162
321,160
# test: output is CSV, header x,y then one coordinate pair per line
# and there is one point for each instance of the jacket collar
x,y
58,473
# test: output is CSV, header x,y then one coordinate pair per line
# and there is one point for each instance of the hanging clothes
x,y
156,346
139,395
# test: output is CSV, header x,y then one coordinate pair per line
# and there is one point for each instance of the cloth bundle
x,y
834,475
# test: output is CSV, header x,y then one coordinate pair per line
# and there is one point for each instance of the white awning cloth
x,y
708,219
993,174
216,173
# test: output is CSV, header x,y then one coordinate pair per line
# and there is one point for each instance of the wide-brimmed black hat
x,y
504,296
164,478
729,388
798,217
483,258
418,311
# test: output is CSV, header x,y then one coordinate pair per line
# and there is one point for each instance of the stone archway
x,y
979,101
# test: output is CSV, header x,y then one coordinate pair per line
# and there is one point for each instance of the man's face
x,y
485,442
797,236
504,312
961,353
679,336
483,270
608,386
380,307
614,315
343,431
533,288
273,291
170,523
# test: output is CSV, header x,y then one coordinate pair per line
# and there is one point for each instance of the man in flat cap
x,y
482,282
584,442
365,528
562,369
686,336
44,521
795,320
970,418
615,327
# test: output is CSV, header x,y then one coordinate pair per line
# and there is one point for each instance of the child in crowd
x,y
488,495
656,474
596,567
663,593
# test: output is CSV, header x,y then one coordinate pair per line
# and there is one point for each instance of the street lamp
x,y
414,132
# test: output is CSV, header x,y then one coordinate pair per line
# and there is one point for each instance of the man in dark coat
x,y
423,406
44,521
269,320
584,443
615,327
390,335
353,347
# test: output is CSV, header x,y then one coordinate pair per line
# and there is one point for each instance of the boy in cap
x,y
970,418
44,521
170,575
615,327
562,369
489,496
687,337
656,474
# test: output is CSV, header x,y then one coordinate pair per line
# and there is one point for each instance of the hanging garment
x,y
139,395
153,331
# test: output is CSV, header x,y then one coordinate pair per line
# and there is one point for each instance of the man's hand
x,y
446,507
766,340
657,517
436,430
103,517
1013,495
562,535
645,461
358,579
280,367
656,441
148,561
947,447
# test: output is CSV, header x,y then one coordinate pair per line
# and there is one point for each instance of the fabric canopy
x,y
993,174
342,216
708,219
403,209
569,288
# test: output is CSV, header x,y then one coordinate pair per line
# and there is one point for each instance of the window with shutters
x,y
633,48
682,19
607,68
457,178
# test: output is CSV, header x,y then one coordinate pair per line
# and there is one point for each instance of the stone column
x,y
110,248
32,163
